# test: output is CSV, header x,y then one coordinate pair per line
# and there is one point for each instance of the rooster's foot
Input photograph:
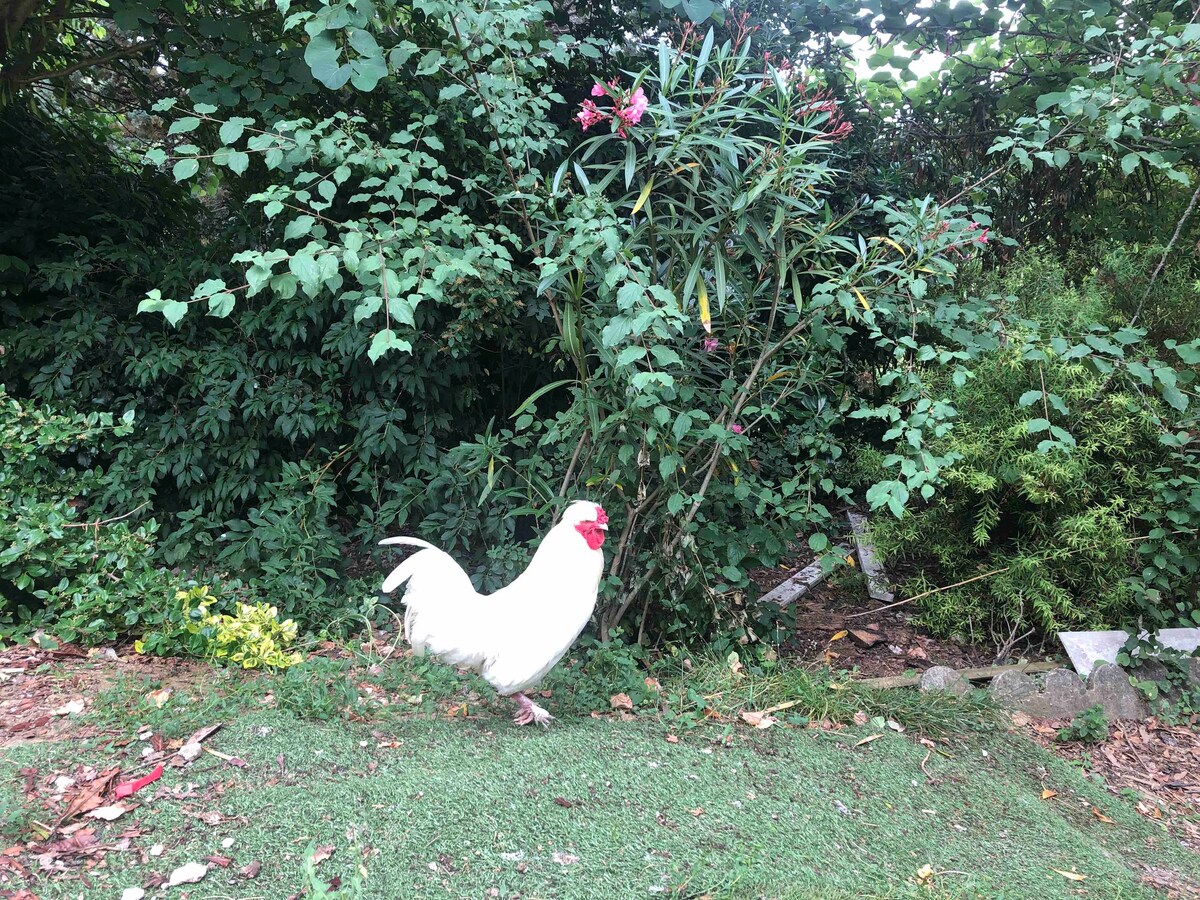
x,y
529,713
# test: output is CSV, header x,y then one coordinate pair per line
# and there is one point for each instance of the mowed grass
x,y
603,808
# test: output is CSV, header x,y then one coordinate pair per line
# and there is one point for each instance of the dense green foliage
x,y
341,269
1059,471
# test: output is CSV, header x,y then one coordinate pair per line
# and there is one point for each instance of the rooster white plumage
x,y
516,635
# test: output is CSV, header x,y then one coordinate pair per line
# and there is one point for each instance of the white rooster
x,y
514,636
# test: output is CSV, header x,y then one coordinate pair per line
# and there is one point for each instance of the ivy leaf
x,y
384,341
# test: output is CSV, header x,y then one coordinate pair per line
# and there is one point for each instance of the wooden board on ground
x,y
796,586
878,585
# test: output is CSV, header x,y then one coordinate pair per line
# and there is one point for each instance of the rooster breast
x,y
539,616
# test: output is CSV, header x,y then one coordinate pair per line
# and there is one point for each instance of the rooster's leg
x,y
529,712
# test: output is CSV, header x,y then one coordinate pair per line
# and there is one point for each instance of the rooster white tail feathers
x,y
439,595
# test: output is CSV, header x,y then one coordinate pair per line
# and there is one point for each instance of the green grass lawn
x,y
462,808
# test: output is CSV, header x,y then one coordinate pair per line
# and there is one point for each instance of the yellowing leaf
x,y
705,315
690,165
888,240
862,299
642,197
1047,794
868,739
837,637
925,875
1102,817
1072,876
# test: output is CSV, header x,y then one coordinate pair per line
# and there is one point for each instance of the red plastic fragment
x,y
128,787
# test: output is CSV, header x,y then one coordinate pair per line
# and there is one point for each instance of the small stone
x,y
62,782
227,843
1109,686
157,850
190,751
133,893
943,678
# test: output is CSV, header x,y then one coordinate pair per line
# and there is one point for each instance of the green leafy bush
x,y
1089,727
252,637
1065,452
91,578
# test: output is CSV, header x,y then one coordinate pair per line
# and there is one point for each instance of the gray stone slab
x,y
1109,686
796,586
878,585
1089,648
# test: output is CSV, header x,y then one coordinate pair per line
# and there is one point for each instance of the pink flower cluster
x,y
627,109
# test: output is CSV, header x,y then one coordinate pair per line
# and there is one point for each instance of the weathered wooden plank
x,y
981,674
878,585
799,584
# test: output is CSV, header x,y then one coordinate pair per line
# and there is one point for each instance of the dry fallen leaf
x,y
925,875
837,637
757,719
1072,876
653,684
159,697
861,718
868,739
1021,719
107,813
697,812
620,701
1147,810
460,710
1047,794
187,874
250,870
322,853
1102,817
672,739
75,706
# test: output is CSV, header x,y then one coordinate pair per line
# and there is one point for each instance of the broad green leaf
x,y
184,125
384,341
185,169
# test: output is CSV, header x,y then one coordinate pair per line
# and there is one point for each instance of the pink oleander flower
x,y
636,104
711,344
589,115
736,428
983,237
597,90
